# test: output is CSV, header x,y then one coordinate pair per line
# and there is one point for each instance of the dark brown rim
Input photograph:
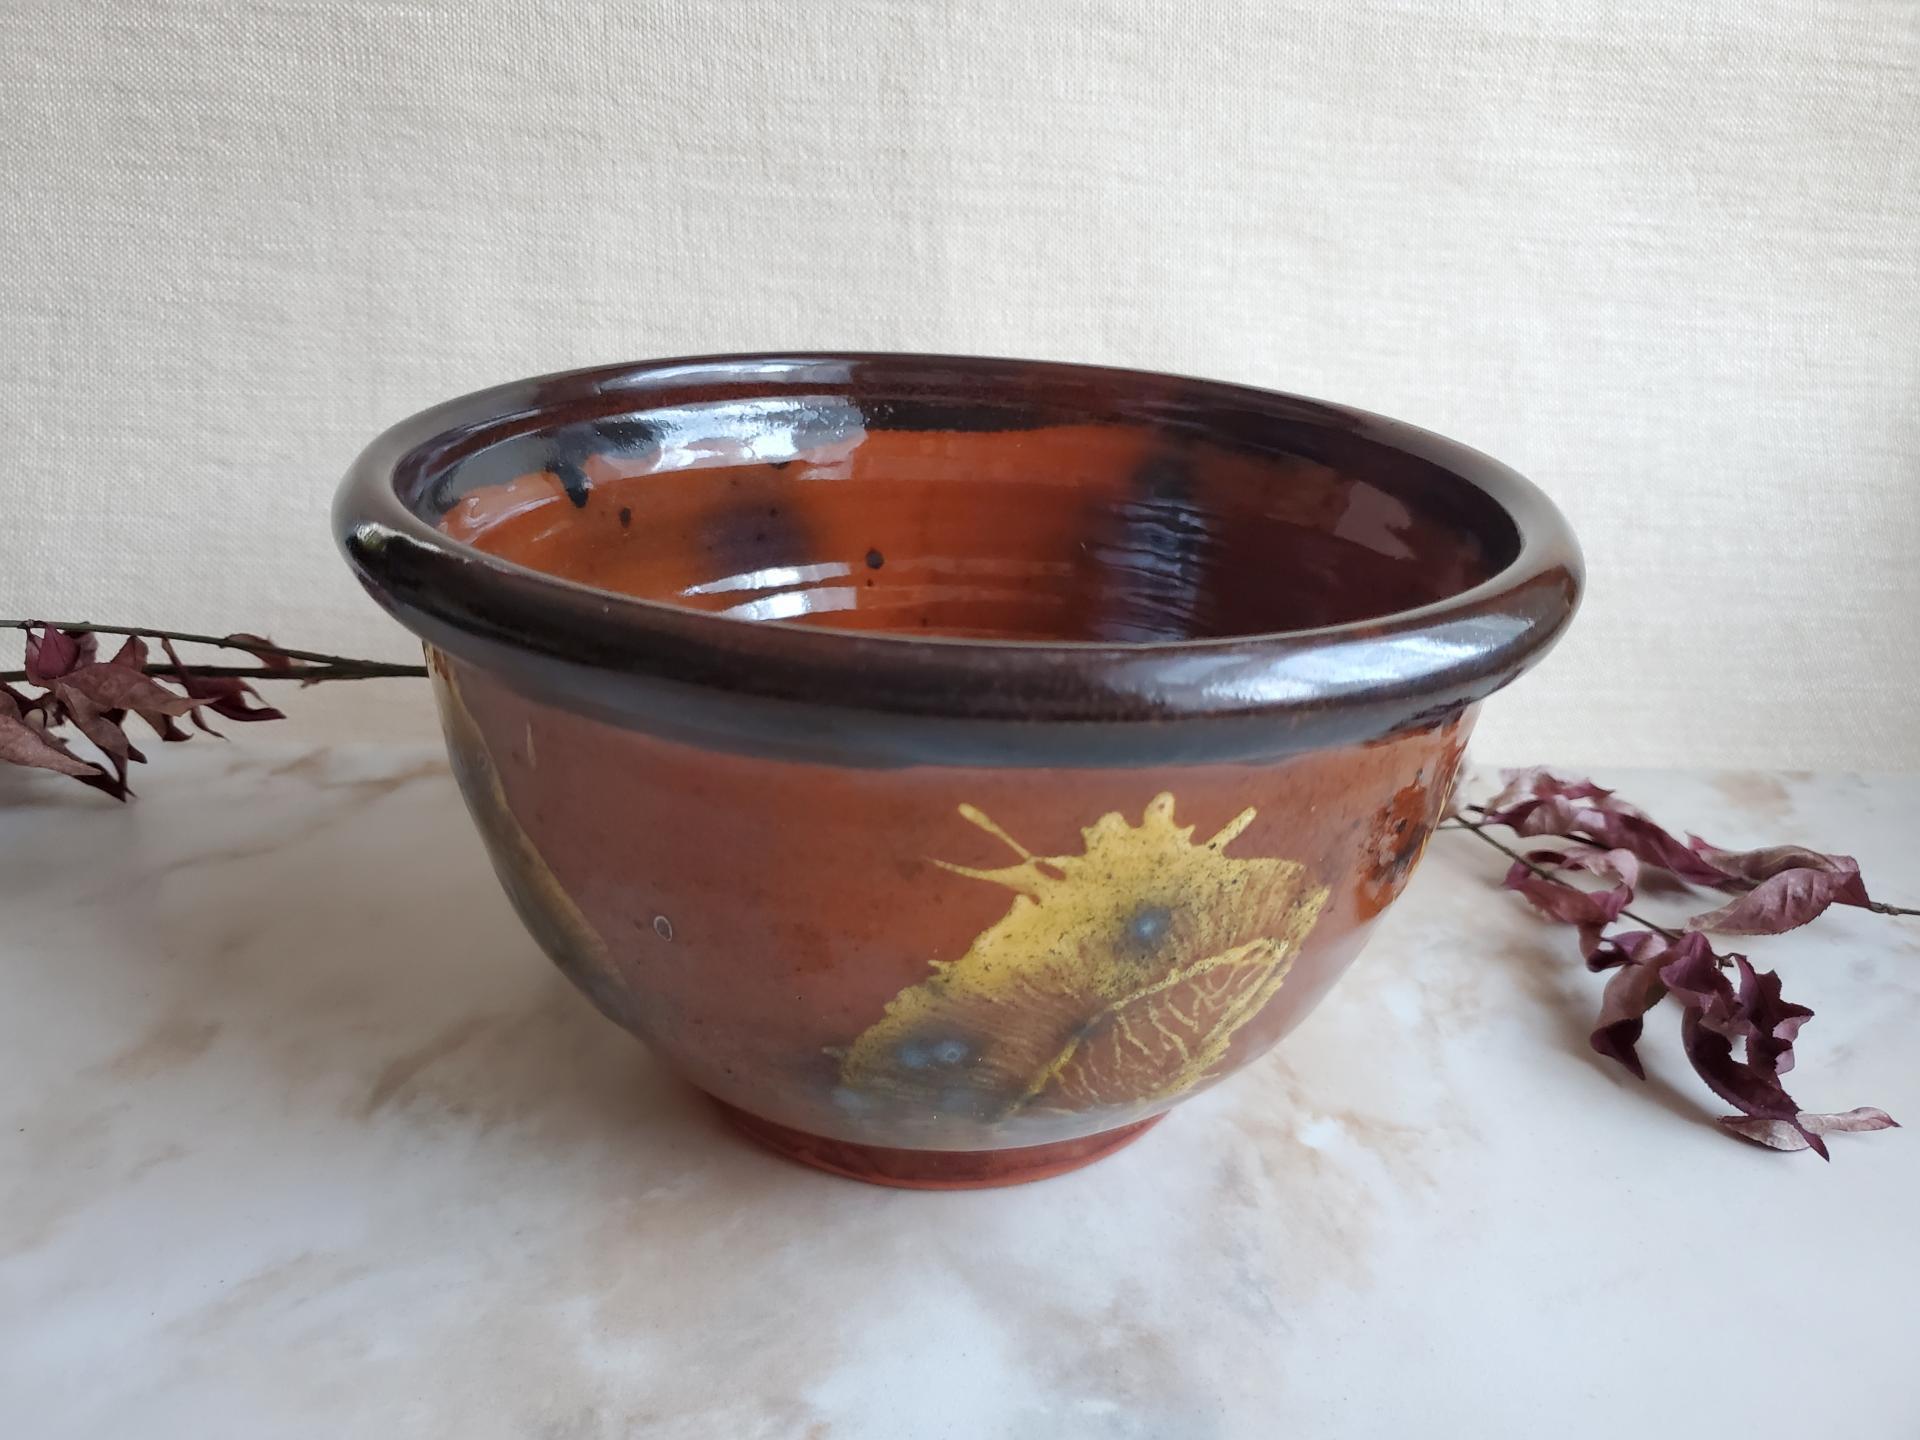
x,y
615,653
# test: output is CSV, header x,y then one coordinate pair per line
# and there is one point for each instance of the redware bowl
x,y
950,764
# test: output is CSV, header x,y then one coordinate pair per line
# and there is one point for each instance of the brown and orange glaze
x,y
950,765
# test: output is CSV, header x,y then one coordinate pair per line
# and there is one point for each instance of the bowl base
x,y
933,1169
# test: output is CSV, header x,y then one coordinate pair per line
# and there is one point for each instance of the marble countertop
x,y
301,1137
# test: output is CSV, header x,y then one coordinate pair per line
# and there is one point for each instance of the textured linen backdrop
x,y
1661,257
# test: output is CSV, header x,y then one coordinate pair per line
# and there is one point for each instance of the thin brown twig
x,y
1460,822
307,674
224,642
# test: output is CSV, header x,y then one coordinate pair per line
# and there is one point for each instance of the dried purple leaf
x,y
103,728
1785,1135
132,656
1768,1023
1783,902
54,652
1754,866
1537,802
1539,783
1591,910
1624,947
1631,992
1620,865
1560,901
1714,1017
261,648
21,743
222,694
97,694
121,684
1747,1088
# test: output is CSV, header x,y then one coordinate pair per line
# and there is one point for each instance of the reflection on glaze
x,y
792,604
777,577
1117,978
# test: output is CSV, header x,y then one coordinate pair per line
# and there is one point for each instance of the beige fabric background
x,y
1662,257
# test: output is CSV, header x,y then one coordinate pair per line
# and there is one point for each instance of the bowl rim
x,y
1400,667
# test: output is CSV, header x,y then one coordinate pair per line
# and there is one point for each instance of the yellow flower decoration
x,y
1117,978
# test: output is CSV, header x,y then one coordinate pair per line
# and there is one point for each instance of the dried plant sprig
x,y
1737,1032
74,696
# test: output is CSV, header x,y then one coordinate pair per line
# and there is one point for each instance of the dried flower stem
x,y
1460,822
1737,1030
1880,907
316,666
307,674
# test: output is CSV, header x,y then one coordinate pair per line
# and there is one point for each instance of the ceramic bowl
x,y
950,764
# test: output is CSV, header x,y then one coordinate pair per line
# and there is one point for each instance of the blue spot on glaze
x,y
929,1054
1149,925
851,1101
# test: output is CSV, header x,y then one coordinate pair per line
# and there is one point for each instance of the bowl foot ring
x,y
933,1169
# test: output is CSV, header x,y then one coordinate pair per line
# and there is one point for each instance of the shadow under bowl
x,y
950,764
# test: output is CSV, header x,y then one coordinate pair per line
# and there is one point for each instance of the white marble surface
x,y
302,1138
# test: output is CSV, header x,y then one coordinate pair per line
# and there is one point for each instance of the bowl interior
x,y
974,514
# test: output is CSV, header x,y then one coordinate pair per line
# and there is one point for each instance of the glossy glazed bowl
x,y
950,764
